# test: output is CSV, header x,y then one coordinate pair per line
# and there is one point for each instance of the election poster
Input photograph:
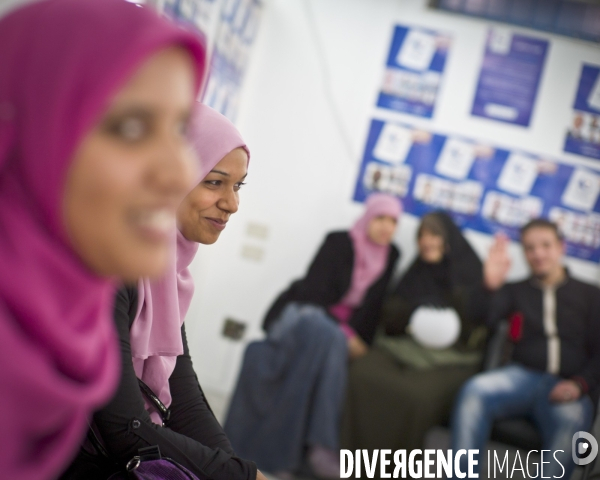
x,y
583,136
414,70
483,187
509,77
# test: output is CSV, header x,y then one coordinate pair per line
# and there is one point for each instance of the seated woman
x,y
154,348
433,337
291,386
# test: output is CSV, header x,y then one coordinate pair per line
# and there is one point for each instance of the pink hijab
x,y
370,258
60,63
162,304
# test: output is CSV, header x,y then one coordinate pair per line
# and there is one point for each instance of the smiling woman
x,y
149,318
131,169
94,97
204,213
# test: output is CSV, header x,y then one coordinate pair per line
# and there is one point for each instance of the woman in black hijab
x,y
432,343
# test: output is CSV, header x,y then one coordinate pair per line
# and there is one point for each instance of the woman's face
x,y
131,171
431,247
204,212
381,229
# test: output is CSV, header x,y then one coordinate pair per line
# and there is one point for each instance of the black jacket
x,y
192,436
328,280
577,322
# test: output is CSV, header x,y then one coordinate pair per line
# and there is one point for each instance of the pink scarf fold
x,y
60,63
370,258
162,304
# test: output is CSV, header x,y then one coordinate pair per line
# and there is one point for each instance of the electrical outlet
x,y
252,252
257,230
233,329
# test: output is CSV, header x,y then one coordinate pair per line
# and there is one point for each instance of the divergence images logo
x,y
584,448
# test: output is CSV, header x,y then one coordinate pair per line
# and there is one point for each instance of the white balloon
x,y
435,327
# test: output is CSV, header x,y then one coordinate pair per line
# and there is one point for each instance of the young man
x,y
555,365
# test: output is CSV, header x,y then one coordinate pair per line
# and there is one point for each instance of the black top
x,y
192,436
328,279
456,281
577,322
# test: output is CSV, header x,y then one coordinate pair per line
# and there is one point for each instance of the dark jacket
x,y
192,436
577,323
328,280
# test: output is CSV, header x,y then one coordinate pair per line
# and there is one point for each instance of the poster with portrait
x,y
483,187
583,136
509,78
414,70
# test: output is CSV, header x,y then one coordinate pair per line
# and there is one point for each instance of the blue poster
x,y
482,187
236,31
510,76
414,70
234,41
583,137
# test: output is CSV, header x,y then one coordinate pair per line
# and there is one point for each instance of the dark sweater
x,y
192,436
577,323
328,279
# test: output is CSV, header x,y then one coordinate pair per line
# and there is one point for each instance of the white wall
x,y
307,104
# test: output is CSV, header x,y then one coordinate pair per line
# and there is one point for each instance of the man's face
x,y
543,250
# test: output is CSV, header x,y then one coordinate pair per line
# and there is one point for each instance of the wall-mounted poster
x,y
483,187
196,13
232,26
583,136
233,44
510,76
414,70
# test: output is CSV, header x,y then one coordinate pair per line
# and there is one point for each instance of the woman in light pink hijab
x,y
286,407
159,401
163,303
90,91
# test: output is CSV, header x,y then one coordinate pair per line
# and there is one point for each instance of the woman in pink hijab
x,y
159,401
289,395
93,98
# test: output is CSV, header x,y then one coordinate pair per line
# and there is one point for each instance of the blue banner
x,y
482,187
510,76
414,70
583,136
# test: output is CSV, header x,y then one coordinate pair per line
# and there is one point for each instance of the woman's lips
x,y
216,223
155,224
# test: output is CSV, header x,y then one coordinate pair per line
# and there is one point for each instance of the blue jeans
x,y
514,391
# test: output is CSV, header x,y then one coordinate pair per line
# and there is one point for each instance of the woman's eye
x,y
213,183
130,129
238,185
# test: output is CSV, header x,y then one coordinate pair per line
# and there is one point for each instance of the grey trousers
x,y
290,390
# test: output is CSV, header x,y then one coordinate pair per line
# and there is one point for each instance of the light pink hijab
x,y
61,61
162,304
370,258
